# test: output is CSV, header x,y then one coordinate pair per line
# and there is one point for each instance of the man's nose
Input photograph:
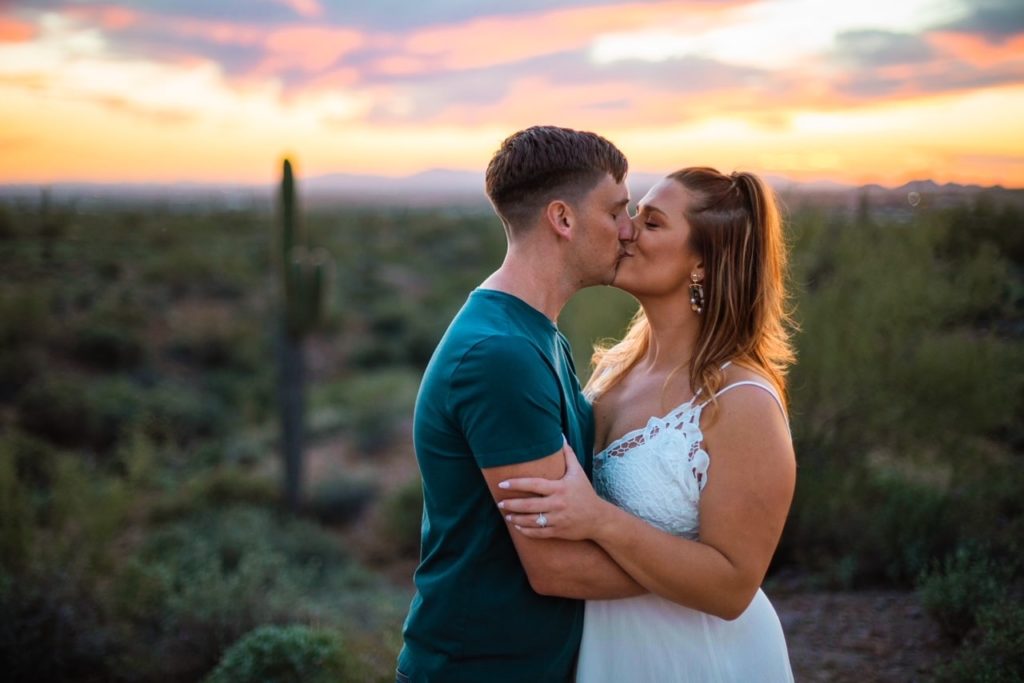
x,y
628,231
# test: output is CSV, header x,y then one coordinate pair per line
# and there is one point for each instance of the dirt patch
x,y
862,637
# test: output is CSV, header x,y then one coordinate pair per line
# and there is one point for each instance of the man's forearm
x,y
581,570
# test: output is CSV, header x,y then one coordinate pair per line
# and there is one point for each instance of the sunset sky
x,y
199,90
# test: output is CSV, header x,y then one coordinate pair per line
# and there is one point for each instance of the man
x,y
496,399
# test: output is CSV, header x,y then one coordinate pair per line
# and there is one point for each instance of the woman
x,y
690,502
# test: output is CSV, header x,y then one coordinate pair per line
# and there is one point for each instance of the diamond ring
x,y
542,520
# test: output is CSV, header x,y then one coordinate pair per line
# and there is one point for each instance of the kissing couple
x,y
617,532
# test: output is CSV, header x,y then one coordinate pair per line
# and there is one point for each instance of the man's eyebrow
x,y
622,202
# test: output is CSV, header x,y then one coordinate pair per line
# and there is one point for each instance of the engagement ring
x,y
542,521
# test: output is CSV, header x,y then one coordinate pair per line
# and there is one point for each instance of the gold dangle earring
x,y
696,293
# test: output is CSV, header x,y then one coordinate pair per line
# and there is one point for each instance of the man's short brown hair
x,y
540,164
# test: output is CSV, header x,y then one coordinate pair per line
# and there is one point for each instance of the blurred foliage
x,y
401,522
370,406
995,654
342,499
141,535
963,585
284,654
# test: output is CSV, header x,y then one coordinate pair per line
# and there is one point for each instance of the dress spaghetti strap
x,y
771,390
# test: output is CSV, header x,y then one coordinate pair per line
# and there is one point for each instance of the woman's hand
x,y
563,508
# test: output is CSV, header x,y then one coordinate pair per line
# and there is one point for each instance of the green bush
x,y
370,405
858,528
75,412
215,488
51,630
341,500
16,514
108,345
200,583
24,317
180,413
964,585
996,655
402,519
284,654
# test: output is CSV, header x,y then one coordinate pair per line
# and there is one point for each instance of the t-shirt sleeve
x,y
507,400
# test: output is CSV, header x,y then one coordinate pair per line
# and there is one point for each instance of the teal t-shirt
x,y
500,389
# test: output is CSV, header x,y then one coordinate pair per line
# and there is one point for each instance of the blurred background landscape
x,y
155,304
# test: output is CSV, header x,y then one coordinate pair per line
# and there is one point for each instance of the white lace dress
x,y
657,473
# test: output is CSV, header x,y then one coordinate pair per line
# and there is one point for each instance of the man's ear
x,y
560,218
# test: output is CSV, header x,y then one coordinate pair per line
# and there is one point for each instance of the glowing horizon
x,y
189,91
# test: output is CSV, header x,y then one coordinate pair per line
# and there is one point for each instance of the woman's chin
x,y
622,282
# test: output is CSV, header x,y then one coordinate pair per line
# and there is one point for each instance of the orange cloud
x,y
489,41
12,31
977,51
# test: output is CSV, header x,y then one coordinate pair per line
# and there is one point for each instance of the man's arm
x,y
569,569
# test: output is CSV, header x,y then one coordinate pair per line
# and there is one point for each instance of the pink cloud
x,y
309,9
489,41
110,17
307,48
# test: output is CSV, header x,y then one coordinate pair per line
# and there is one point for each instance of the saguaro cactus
x,y
305,275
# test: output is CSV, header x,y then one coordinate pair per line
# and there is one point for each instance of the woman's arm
x,y
742,511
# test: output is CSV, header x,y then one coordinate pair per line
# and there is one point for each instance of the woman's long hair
x,y
736,228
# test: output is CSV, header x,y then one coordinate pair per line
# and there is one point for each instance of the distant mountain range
x,y
448,187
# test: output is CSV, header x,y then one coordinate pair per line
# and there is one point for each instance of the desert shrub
x,y
57,509
72,412
24,317
25,329
200,583
84,515
214,488
192,268
181,413
18,367
908,370
8,226
996,653
859,528
52,630
57,549
963,586
193,607
370,405
215,339
35,461
341,500
402,519
284,654
16,514
108,344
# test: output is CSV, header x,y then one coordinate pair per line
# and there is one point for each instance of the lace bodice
x,y
657,472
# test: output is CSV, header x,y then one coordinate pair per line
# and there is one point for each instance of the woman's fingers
x,y
538,485
525,505
530,521
535,532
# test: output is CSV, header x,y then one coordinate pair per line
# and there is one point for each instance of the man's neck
x,y
537,281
